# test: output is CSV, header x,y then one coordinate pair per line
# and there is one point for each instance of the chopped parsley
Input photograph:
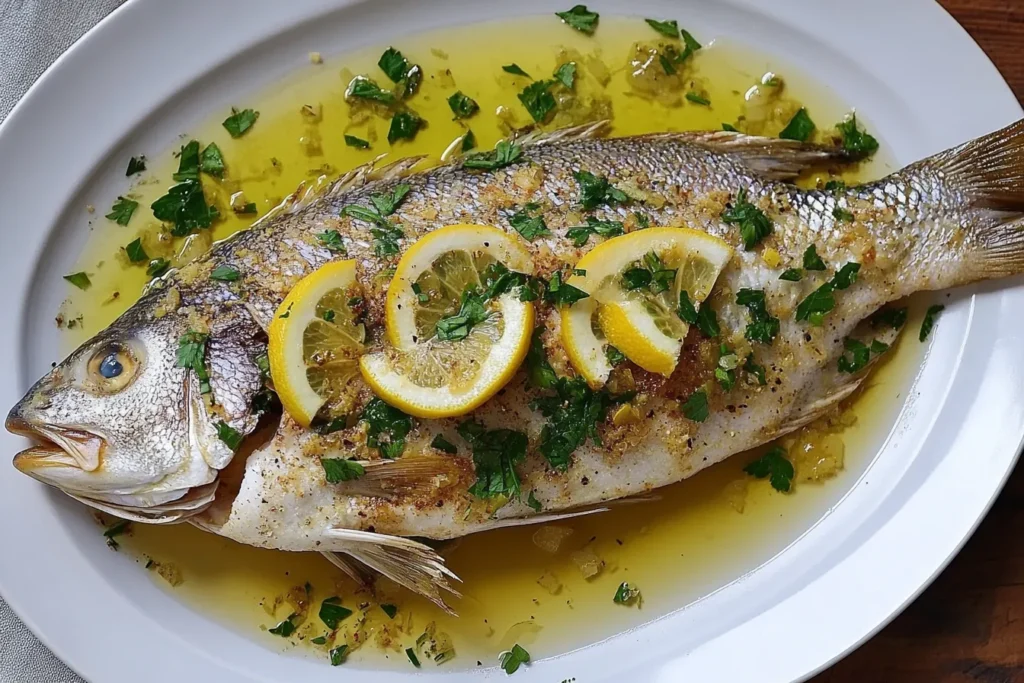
x,y
319,640
562,293
725,372
286,627
792,275
538,371
386,203
394,65
811,259
444,445
136,165
697,98
799,128
185,207
387,428
225,273
566,74
411,654
514,69
626,594
533,502
338,469
365,88
754,224
822,300
835,185
231,437
331,240
754,370
671,58
707,321
158,267
115,530
358,143
730,128
338,654
192,355
696,406
386,234
687,311
580,18
496,453
642,220
774,466
332,613
856,354
649,273
573,414
247,208
511,660
614,356
530,227
462,105
841,214
855,140
468,141
136,253
122,210
390,610
471,313
211,161
581,233
846,276
763,326
404,126
240,121
504,154
538,100
596,190
188,162
889,317
669,29
928,324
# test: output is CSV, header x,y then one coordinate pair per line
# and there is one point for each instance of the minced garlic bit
x,y
316,58
588,562
549,538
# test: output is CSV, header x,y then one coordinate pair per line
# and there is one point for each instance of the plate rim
x,y
69,62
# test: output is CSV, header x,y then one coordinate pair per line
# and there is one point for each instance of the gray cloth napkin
x,y
33,33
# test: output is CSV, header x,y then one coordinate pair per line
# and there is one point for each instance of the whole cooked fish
x,y
119,425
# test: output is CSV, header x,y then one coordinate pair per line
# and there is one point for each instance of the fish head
x,y
121,426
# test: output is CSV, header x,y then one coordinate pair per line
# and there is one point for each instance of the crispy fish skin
x,y
943,222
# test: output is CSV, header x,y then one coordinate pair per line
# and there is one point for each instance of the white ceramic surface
x,y
134,83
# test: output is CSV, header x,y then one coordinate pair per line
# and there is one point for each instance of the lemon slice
x,y
315,343
436,363
637,315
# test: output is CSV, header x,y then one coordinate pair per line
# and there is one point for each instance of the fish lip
x,y
56,446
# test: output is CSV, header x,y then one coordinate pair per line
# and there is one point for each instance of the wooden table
x,y
968,627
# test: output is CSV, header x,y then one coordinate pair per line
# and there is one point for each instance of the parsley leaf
x,y
332,613
337,655
387,203
729,127
471,312
136,165
331,239
573,415
754,224
859,356
211,161
566,74
822,300
580,18
626,593
468,141
799,128
504,154
122,210
388,422
511,661
811,259
697,98
725,372
596,190
192,355
687,311
614,356
533,502
835,185
669,29
135,251
188,162
775,467
581,233
792,275
390,610
495,454
225,273
707,321
285,628
561,293
530,227
240,121
339,469
928,324
763,326
365,88
404,126
444,445
514,69
158,267
889,317
856,140
538,371
185,207
538,101
394,65
696,406
411,654
229,435
754,370
842,214
846,276
358,143
462,105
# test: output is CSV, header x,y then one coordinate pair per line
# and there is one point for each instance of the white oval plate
x,y
153,69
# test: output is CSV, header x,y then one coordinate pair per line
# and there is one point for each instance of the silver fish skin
x,y
949,220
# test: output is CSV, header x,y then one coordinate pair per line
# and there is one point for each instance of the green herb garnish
x,y
889,317
842,214
822,300
581,233
122,210
533,503
136,165
729,127
792,275
511,661
338,469
192,355
331,239
538,101
597,190
229,435
365,88
626,594
754,224
411,654
580,18
358,143
505,154
240,121
387,428
835,185
811,259
514,69
566,74
390,610
444,445
225,273
136,253
286,627
319,640
561,293
754,370
538,371
696,406
614,356
462,105
775,467
495,455
332,613
669,28
337,655
404,126
855,356
530,227
472,311
394,65
763,326
855,140
185,207
158,267
468,141
573,415
928,324
799,128
188,162
697,98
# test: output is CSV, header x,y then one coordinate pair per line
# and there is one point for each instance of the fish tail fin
x,y
408,563
989,171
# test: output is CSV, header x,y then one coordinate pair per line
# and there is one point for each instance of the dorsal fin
x,y
586,131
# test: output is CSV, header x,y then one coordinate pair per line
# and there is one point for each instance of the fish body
x,y
149,449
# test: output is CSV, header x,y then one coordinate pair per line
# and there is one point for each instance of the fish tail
x,y
989,171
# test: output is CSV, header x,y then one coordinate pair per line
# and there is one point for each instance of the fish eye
x,y
111,368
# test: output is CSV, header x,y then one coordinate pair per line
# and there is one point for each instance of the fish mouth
x,y
56,446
